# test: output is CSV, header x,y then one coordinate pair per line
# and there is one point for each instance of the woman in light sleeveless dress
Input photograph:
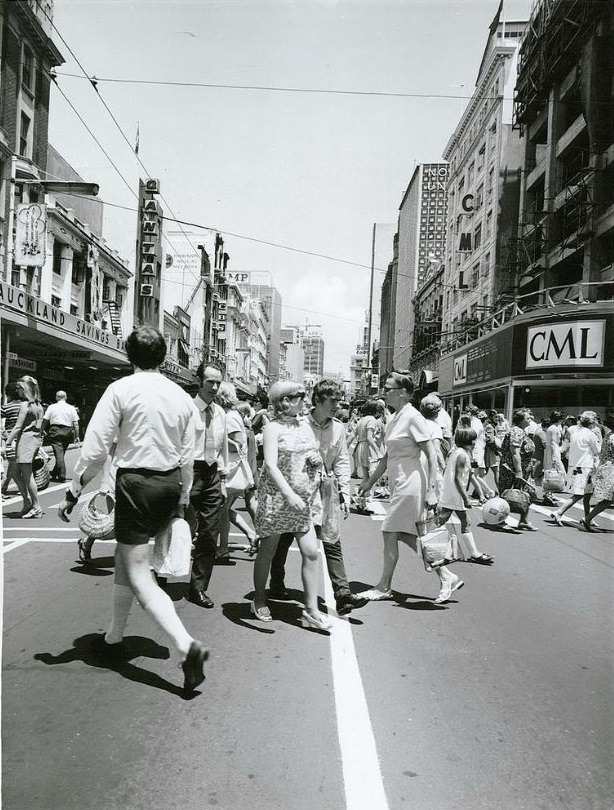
x,y
411,464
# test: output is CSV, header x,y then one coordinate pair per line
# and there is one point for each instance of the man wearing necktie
x,y
209,489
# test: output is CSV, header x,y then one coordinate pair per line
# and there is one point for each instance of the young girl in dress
x,y
454,497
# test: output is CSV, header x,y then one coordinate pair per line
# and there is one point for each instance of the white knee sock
x,y
467,537
162,611
122,603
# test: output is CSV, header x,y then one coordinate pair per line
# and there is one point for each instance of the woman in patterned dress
x,y
286,488
516,453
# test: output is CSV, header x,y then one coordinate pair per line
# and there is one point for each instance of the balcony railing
x,y
552,297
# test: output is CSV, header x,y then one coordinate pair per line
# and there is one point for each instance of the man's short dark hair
x,y
324,389
146,347
11,390
200,371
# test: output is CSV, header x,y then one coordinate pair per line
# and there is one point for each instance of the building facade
x,y
271,300
421,234
313,347
549,342
293,354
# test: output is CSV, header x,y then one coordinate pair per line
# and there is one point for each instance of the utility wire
x,y
272,88
93,82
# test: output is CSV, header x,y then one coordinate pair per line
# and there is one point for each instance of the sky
x,y
311,171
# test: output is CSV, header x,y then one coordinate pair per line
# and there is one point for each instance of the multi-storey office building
x,y
64,292
485,157
385,347
421,233
564,261
552,345
313,347
293,354
271,300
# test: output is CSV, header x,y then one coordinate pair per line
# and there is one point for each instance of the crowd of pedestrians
x,y
291,463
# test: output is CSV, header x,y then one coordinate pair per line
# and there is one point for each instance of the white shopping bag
x,y
172,549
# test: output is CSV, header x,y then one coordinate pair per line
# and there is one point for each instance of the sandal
x,y
481,559
33,514
375,595
557,519
85,549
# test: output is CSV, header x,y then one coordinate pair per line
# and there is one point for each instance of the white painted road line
x,y
41,529
362,777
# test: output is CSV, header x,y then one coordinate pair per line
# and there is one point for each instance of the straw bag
x,y
603,483
41,470
172,549
93,522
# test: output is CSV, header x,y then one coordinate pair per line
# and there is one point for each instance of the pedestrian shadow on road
x,y
90,650
240,613
503,529
97,567
423,603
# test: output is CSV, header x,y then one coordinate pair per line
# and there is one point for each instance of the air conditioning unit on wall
x,y
147,290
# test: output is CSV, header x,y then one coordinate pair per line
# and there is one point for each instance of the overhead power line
x,y
270,88
122,133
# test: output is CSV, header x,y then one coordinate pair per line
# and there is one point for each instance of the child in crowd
x,y
454,497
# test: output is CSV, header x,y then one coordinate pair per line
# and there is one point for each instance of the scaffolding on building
x,y
555,35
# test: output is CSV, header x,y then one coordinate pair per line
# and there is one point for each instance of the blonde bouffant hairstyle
x,y
30,387
226,395
277,393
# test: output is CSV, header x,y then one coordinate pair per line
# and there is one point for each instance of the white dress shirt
x,y
61,413
211,443
152,419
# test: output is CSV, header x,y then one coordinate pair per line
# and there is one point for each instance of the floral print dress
x,y
300,463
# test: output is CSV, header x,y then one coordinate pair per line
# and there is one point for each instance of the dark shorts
x,y
144,503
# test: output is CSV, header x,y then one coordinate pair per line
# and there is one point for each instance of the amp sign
x,y
579,344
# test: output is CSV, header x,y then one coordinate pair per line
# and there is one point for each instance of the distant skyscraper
x,y
421,239
313,346
271,300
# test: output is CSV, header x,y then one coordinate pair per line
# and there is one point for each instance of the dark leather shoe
x,y
348,602
193,665
279,592
200,598
224,561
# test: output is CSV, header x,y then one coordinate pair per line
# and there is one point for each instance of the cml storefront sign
x,y
579,344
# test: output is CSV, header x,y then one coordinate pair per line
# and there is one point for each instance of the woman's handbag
x,y
603,483
438,544
554,481
41,469
240,477
172,549
97,524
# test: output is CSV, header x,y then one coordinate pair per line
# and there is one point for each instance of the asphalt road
x,y
501,699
